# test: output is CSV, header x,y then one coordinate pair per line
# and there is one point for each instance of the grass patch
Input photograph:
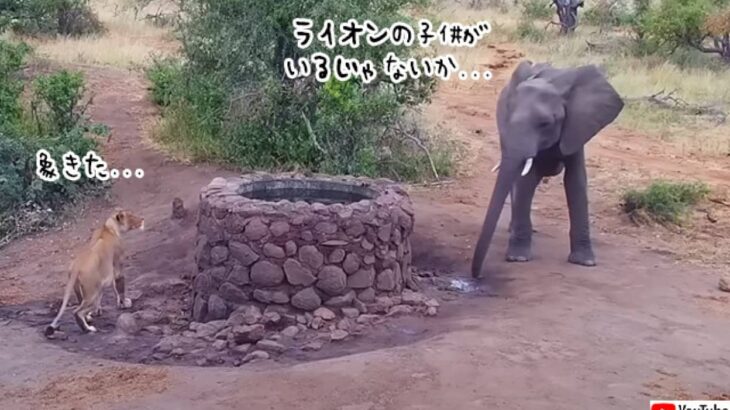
x,y
128,41
664,202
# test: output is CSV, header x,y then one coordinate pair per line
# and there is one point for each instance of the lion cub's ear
x,y
119,216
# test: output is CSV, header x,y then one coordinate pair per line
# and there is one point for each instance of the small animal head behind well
x,y
128,221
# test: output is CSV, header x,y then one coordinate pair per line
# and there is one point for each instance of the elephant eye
x,y
545,124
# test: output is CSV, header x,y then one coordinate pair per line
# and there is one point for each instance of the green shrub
x,y
608,13
688,23
664,201
163,74
58,96
526,30
49,17
28,203
228,99
536,9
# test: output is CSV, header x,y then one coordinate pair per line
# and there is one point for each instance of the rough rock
x,y
412,298
146,317
232,293
432,311
368,259
256,229
271,296
386,280
273,251
306,299
338,334
400,310
298,275
341,301
367,295
344,324
337,256
290,331
265,273
367,319
332,280
256,355
290,248
217,308
432,303
312,346
244,348
271,317
167,344
127,324
247,334
178,351
350,312
361,279
351,263
200,308
219,345
218,255
239,275
279,228
270,346
172,285
243,253
360,306
316,323
324,313
310,256
245,315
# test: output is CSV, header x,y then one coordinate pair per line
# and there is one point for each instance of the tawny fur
x,y
97,266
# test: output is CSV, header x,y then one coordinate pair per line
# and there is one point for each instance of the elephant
x,y
545,116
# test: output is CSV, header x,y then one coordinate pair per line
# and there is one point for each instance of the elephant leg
x,y
520,240
576,192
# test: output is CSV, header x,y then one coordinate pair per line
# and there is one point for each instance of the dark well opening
x,y
310,191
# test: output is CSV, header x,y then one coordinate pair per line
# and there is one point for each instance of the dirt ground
x,y
639,326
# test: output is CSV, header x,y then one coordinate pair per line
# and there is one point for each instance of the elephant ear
x,y
591,103
523,71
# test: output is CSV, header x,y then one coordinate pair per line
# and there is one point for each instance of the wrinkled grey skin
x,y
546,114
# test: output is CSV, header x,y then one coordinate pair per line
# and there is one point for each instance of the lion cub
x,y
95,268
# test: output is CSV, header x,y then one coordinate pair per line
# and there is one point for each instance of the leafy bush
x,y
49,17
688,23
58,96
536,9
228,98
526,30
663,201
609,13
27,202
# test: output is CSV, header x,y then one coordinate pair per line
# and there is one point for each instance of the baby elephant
x,y
545,116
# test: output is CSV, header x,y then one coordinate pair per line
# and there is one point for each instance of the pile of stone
x,y
251,333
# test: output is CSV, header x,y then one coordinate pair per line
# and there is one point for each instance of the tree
x,y
701,24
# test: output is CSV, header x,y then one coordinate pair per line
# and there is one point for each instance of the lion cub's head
x,y
128,221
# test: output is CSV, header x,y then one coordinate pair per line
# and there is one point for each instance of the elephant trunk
x,y
509,171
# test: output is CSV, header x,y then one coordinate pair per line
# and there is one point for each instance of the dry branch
x,y
669,100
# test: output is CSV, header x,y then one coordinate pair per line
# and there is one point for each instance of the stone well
x,y
300,242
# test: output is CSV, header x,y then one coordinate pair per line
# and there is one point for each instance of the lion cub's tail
x,y
66,296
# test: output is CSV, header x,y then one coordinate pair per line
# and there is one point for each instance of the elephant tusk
x,y
496,167
528,166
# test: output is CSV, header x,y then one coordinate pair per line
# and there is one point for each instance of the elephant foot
x,y
584,257
518,252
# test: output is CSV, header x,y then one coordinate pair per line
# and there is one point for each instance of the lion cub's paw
x,y
92,329
127,303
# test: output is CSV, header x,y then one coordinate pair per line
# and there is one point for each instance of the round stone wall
x,y
300,241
